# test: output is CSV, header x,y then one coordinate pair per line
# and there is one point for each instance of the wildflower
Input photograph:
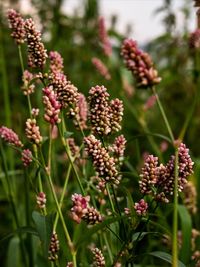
x,y
141,207
149,103
148,176
36,52
80,205
41,200
33,131
98,260
35,112
56,62
67,93
92,216
52,106
99,110
82,112
17,25
54,247
190,197
118,148
101,68
103,36
73,147
9,136
104,164
27,88
116,114
69,264
140,64
26,157
194,40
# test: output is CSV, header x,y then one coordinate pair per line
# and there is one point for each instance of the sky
x,y
138,13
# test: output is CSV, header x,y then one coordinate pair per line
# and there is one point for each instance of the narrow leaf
x,y
165,257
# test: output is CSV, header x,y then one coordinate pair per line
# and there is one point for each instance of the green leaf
x,y
143,234
165,257
22,230
67,134
13,256
44,227
87,234
186,228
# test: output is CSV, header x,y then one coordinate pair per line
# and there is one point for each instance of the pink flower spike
x,y
9,136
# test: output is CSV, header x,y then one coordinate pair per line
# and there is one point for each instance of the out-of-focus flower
x,y
80,205
56,62
9,136
140,64
98,260
141,207
16,23
37,54
35,112
54,247
194,40
101,68
103,36
190,197
26,157
41,200
82,112
27,88
149,103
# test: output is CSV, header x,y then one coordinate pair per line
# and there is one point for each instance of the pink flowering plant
x,y
82,200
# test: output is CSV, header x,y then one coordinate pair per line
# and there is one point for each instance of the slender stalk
x,y
110,198
163,114
50,148
175,214
108,248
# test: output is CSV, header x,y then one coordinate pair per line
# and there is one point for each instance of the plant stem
x,y
108,248
110,198
175,214
163,114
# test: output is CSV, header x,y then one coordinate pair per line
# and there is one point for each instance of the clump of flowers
x,y
194,40
159,179
26,157
82,112
118,148
105,116
103,163
52,106
56,62
82,211
103,36
190,197
16,23
101,68
33,131
41,200
141,207
27,88
54,247
36,52
9,136
140,64
98,260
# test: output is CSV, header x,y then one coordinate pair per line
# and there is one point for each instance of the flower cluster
x,y
52,106
103,163
17,25
36,52
27,88
33,132
103,36
118,148
82,211
9,136
194,40
101,68
54,247
75,150
56,62
26,157
41,200
140,64
105,116
141,207
159,179
190,197
98,260
82,112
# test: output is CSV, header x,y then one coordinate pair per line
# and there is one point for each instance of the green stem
x,y
21,58
175,214
163,114
108,248
110,198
